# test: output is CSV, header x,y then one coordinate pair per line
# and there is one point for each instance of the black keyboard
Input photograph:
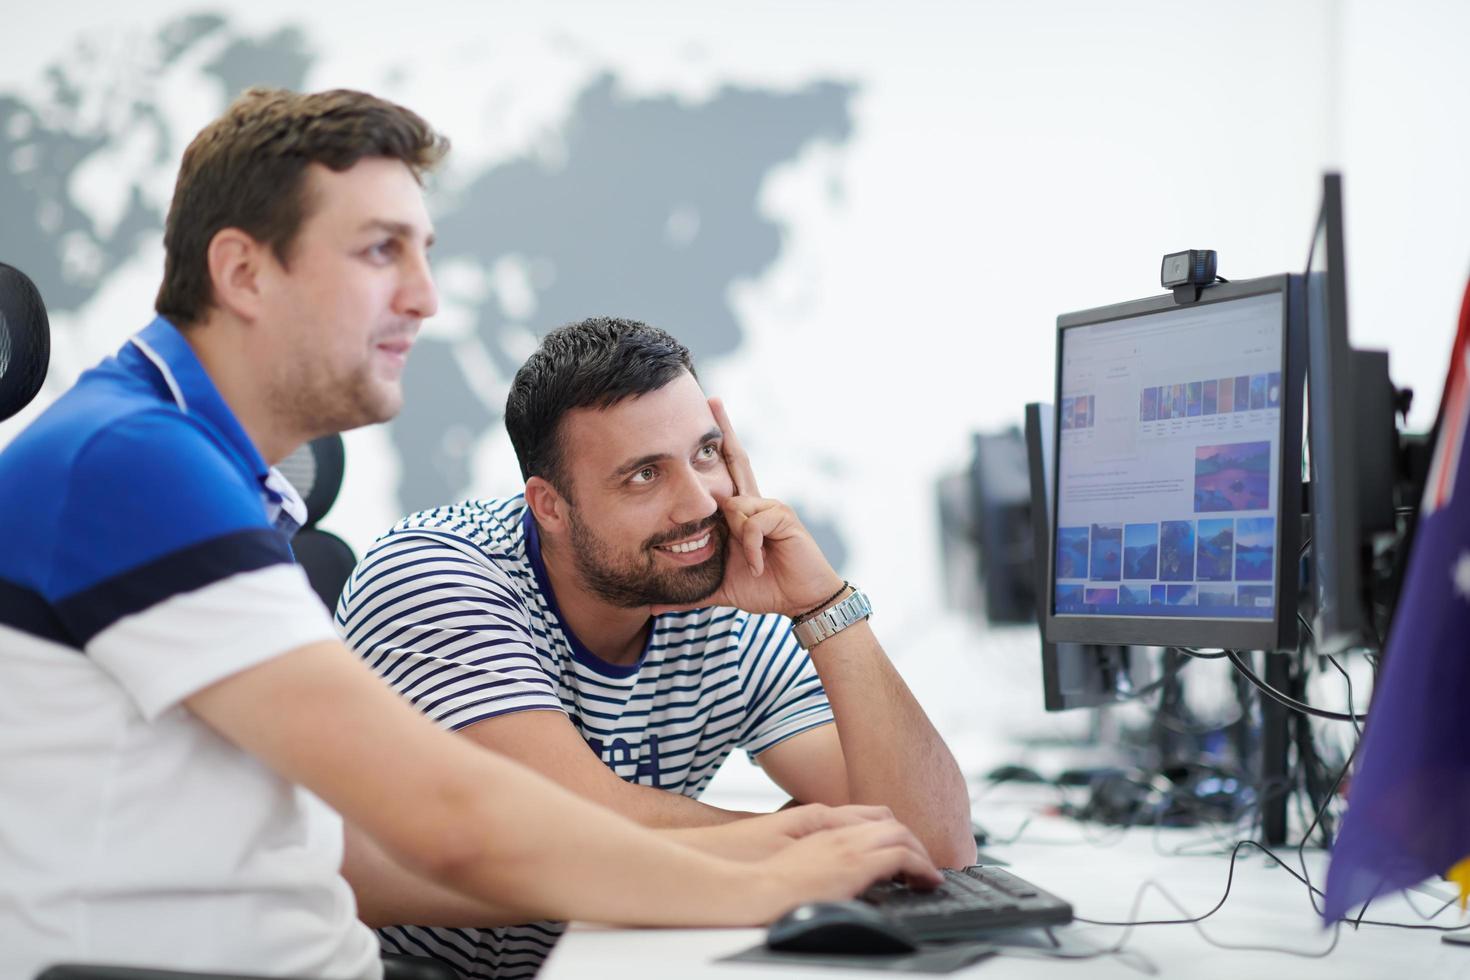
x,y
971,900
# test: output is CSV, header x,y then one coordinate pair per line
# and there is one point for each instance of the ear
x,y
235,266
548,506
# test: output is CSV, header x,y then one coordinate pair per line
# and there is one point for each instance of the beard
x,y
356,401
314,402
633,580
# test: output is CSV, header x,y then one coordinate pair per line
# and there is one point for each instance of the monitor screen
x,y
1073,675
1177,491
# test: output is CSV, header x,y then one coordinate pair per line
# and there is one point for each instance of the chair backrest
x,y
315,470
328,561
25,341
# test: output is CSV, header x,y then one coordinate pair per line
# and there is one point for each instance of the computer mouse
x,y
1086,775
1014,774
839,927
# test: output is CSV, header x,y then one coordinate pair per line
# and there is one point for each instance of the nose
x,y
698,494
417,296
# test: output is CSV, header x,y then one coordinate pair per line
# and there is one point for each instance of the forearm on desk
x,y
891,752
546,742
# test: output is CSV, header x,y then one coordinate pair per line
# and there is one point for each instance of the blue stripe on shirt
x,y
98,606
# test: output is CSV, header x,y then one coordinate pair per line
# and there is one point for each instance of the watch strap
x,y
833,620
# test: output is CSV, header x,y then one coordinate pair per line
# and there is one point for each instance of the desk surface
x,y
1103,874
980,691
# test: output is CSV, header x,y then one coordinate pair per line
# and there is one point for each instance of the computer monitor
x,y
1073,675
1351,444
959,549
1177,492
1000,496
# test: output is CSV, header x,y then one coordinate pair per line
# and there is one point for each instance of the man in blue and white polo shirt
x,y
180,728
628,622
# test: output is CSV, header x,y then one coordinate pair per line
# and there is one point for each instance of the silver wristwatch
x,y
833,620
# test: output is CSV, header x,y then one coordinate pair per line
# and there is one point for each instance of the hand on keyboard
x,y
970,901
830,865
761,836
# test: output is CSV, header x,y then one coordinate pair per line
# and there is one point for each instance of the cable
x,y
1313,892
1195,920
1117,948
1198,654
1143,692
1014,837
1301,847
1131,923
1290,702
1333,661
1230,876
1431,916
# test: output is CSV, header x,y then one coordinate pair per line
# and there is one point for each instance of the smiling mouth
x,y
687,547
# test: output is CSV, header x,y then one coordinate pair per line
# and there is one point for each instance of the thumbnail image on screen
x,y
1168,463
1233,477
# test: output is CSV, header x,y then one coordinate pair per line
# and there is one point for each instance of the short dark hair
x,y
247,170
593,363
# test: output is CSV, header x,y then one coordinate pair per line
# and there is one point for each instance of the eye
x,y
644,475
708,453
383,251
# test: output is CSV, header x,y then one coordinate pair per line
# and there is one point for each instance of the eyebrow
x,y
634,465
401,229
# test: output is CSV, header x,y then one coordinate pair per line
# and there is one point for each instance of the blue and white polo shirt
x,y
144,558
454,609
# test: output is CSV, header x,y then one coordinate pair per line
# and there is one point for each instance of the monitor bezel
x,y
1337,537
1279,632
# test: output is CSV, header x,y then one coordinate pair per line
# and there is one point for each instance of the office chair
x,y
315,470
25,341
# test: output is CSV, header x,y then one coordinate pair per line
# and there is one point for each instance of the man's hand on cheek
x,y
773,565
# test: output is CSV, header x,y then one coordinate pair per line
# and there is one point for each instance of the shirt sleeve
x,y
167,574
784,696
446,627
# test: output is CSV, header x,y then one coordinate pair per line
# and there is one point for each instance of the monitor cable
x,y
1281,698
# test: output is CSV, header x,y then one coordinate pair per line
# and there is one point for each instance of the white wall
x,y
1405,155
1010,161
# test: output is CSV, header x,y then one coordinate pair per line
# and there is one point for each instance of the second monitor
x,y
1178,480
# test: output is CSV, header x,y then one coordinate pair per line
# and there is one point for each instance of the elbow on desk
x,y
954,851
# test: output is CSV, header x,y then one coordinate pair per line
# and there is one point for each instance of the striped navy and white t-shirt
x,y
453,607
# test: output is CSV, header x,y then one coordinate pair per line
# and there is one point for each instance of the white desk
x,y
1102,880
981,690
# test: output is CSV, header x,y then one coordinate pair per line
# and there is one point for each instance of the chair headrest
x,y
25,341
315,470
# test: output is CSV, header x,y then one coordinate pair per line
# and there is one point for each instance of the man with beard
x,y
627,622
